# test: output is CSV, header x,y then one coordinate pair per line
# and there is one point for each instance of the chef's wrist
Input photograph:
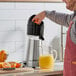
x,y
45,13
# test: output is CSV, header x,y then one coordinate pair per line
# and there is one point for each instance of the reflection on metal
x,y
61,43
33,53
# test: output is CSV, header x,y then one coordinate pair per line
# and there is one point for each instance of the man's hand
x,y
39,17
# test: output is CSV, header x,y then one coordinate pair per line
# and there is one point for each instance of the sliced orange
x,y
18,65
6,65
13,64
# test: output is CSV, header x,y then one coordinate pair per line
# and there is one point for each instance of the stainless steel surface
x,y
33,52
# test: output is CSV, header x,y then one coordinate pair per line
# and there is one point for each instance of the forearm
x,y
73,31
59,18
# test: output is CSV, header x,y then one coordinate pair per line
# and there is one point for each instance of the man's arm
x,y
73,31
59,18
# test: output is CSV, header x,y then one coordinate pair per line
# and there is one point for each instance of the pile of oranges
x,y
3,64
3,56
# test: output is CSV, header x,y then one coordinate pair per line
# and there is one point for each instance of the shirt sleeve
x,y
73,31
59,18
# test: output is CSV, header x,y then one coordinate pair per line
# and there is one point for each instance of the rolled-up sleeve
x,y
73,31
59,18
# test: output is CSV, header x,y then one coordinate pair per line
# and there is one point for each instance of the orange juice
x,y
46,62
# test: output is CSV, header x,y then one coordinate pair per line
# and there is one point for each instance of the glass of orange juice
x,y
46,61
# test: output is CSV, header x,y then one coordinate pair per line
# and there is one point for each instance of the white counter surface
x,y
58,70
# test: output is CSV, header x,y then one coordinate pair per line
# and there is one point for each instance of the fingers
x,y
33,19
36,20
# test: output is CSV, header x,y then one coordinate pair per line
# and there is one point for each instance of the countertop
x,y
57,71
35,73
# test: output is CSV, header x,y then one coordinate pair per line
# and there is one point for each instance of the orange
x,y
1,64
3,51
18,65
6,65
3,55
13,64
